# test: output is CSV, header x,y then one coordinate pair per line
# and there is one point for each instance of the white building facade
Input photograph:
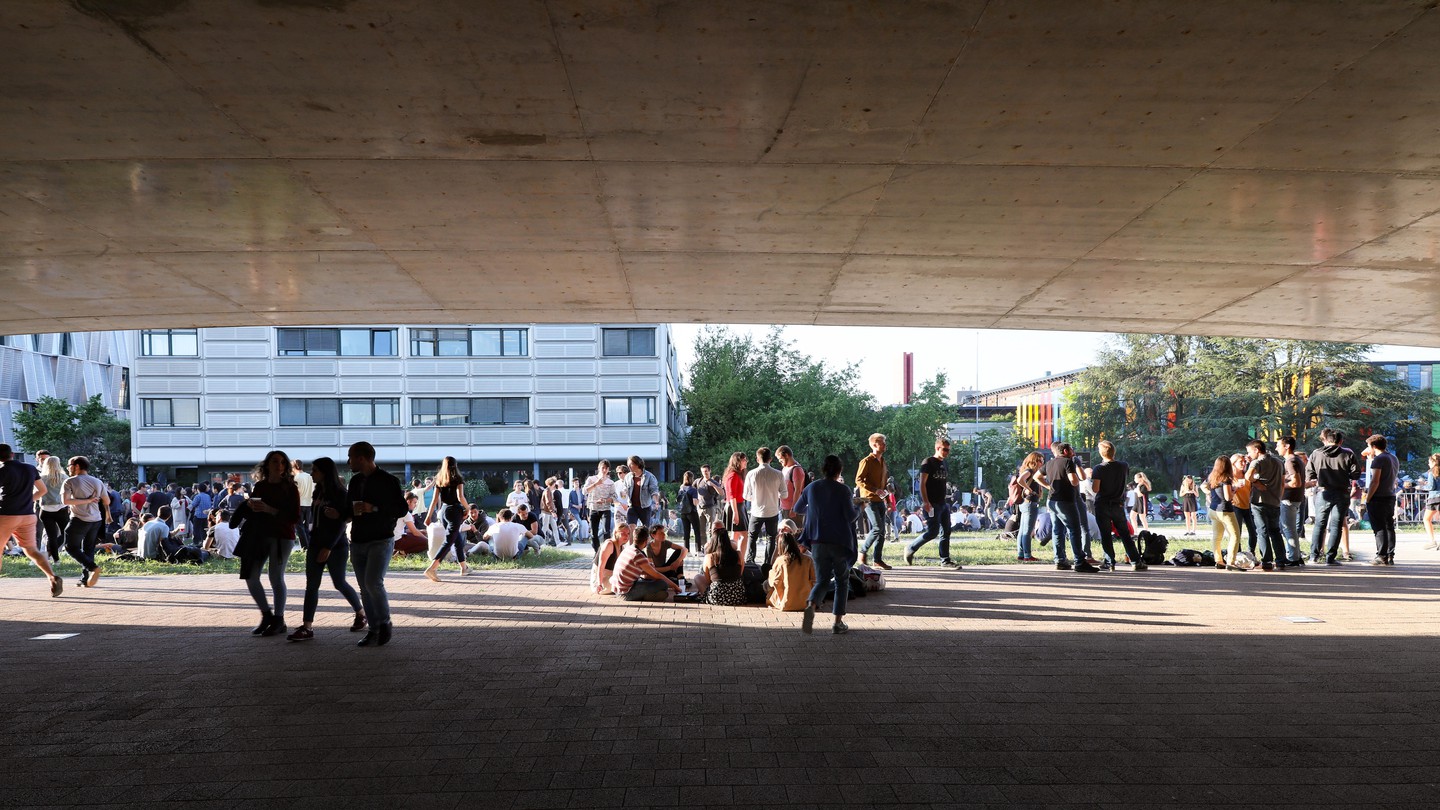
x,y
73,366
539,398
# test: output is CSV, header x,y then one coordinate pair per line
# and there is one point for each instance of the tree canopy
x,y
89,430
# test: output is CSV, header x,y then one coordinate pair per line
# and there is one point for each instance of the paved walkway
x,y
994,686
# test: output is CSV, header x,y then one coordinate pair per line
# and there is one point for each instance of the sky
x,y
1005,357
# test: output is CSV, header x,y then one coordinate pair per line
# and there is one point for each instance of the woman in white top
x,y
54,514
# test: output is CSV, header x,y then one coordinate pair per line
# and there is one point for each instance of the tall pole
x,y
975,434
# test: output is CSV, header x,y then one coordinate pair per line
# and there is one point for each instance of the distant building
x,y
73,366
1038,406
509,398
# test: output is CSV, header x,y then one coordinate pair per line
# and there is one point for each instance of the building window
x,y
170,412
469,342
122,397
629,410
480,411
339,412
629,342
169,343
337,342
67,344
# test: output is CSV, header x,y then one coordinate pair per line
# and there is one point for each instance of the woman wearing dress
x,y
450,500
329,548
1142,501
267,521
1190,505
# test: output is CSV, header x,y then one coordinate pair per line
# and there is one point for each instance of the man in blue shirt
x,y
829,532
200,510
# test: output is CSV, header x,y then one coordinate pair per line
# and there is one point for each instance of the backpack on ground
x,y
1152,547
1244,561
872,578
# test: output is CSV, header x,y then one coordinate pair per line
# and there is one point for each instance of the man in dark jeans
x,y
933,482
1061,478
1332,468
1110,477
1267,479
1380,498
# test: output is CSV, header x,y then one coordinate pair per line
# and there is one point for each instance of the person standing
x,y
934,477
764,489
450,500
1219,486
1142,500
1292,498
1027,504
734,485
1380,497
327,547
642,488
54,514
1331,470
267,535
689,498
1190,504
576,504
1432,500
1266,477
794,482
1110,477
711,498
200,507
305,484
600,497
1061,478
88,500
829,533
377,502
871,478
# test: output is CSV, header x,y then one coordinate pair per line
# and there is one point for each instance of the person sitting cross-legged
x,y
635,578
792,576
507,538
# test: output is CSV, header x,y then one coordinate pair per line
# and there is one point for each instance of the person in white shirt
x,y
764,488
914,524
306,484
225,537
507,538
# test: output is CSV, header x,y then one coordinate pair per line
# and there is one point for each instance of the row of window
x,y
325,342
424,412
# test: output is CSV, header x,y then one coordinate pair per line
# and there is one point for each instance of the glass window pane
x,y
650,410
617,410
486,342
186,412
387,411
454,342
485,411
616,342
357,412
322,342
354,342
422,342
292,412
384,344
324,412
184,343
515,343
516,411
642,342
422,411
292,341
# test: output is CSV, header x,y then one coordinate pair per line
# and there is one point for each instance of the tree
x,y
911,429
89,430
1000,451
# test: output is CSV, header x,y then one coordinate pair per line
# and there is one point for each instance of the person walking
x,y
450,500
327,548
1190,505
934,477
267,522
54,514
377,502
871,477
1380,497
1432,501
829,533
599,492
20,486
88,500
1331,470
1110,477
764,489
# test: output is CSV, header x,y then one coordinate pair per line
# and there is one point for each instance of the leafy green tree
x,y
910,431
89,430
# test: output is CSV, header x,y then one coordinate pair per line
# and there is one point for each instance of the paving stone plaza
x,y
1001,685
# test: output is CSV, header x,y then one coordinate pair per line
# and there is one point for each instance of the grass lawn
x,y
109,566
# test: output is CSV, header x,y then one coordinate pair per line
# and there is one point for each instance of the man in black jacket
x,y
377,502
1332,468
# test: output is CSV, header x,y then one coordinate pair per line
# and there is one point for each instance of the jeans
x,y
1029,513
1065,517
54,524
690,523
875,511
1272,542
1381,511
1111,519
1331,511
315,571
938,524
278,556
647,590
598,517
302,530
1245,518
1290,527
80,538
767,526
638,516
451,516
832,562
371,561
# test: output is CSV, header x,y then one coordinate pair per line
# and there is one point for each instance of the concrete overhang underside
x,y
1224,168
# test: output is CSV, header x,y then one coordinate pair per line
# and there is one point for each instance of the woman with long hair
x,y
54,514
721,580
1220,487
733,482
329,548
1190,505
267,521
1432,501
792,574
450,499
1027,505
1142,501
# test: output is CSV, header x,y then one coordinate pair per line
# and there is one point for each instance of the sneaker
x,y
1062,566
1029,559
1332,562
465,572
94,577
1141,566
1091,561
431,575
807,624
1389,560
1378,561
951,564
1430,546
882,564
840,628
1267,567
276,628
300,635
1086,568
909,558
1106,566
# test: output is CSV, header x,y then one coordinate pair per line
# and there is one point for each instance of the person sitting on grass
x,y
224,537
153,535
128,537
507,538
792,576
667,557
603,569
635,578
721,579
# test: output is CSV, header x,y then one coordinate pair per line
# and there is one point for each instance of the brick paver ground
x,y
992,686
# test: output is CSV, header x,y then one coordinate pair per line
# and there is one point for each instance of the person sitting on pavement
x,y
792,576
603,569
667,557
508,539
721,579
635,578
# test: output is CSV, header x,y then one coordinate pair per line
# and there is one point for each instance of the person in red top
x,y
734,485
267,535
139,497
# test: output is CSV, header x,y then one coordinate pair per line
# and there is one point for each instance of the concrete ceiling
x,y
1230,167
